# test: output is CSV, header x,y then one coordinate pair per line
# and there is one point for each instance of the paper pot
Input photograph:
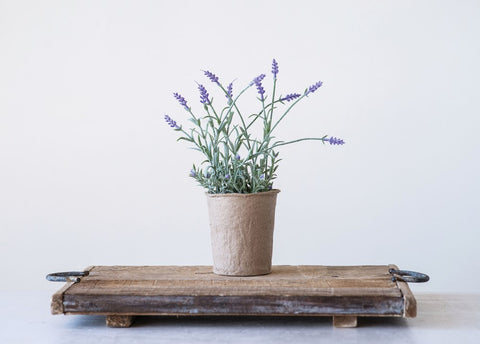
x,y
241,228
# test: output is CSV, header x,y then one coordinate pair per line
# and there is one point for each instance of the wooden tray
x,y
344,292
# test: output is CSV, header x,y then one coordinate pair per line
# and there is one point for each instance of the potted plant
x,y
239,168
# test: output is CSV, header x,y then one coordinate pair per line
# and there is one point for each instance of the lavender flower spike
x,y
335,141
290,97
258,79
274,69
171,122
211,76
258,83
193,173
314,87
181,100
203,95
229,94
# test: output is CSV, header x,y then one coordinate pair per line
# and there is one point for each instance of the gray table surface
x,y
442,318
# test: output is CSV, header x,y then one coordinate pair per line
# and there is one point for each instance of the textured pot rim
x,y
243,195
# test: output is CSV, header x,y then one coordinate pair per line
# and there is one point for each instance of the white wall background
x,y
90,174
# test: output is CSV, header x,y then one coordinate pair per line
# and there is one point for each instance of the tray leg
x,y
119,320
344,321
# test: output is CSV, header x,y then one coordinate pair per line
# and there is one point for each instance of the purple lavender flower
x,y
290,97
258,79
181,100
237,157
227,176
314,87
171,122
229,94
203,95
211,76
335,141
193,173
258,83
262,177
274,68
207,175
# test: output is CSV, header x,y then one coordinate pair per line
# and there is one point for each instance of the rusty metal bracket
x,y
408,276
70,276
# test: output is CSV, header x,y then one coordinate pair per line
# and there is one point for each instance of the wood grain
x,y
57,299
344,321
116,320
199,280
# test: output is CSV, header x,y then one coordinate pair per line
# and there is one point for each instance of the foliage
x,y
234,160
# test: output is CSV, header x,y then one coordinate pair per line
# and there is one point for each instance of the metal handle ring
x,y
70,276
408,276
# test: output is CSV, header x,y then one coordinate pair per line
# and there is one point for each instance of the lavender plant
x,y
236,161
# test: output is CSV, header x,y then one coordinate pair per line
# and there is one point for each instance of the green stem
x,y
286,112
273,100
214,112
201,148
198,124
265,132
268,122
256,117
238,111
282,117
225,128
227,118
323,139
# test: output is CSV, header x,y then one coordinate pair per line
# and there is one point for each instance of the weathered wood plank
x,y
234,305
205,273
116,320
141,288
288,280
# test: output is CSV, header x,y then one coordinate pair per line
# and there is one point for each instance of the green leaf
x,y
222,126
185,139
